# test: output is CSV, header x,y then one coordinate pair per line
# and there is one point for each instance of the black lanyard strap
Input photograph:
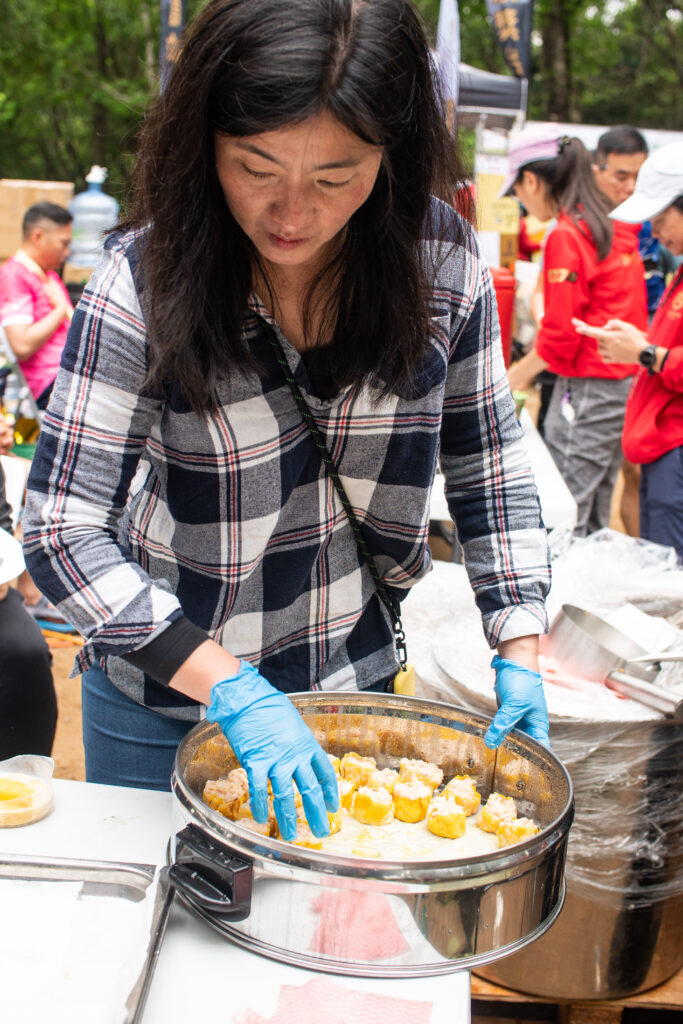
x,y
320,444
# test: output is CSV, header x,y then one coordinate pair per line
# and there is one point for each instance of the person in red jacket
x,y
653,427
591,270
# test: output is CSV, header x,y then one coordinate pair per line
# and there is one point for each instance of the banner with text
x,y
448,54
172,24
511,20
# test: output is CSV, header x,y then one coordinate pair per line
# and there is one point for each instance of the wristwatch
x,y
647,358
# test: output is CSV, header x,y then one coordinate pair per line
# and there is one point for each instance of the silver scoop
x,y
587,645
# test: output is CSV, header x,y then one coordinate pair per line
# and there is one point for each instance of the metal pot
x,y
621,927
584,643
362,916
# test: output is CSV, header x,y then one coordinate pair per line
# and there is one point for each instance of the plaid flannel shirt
x,y
140,512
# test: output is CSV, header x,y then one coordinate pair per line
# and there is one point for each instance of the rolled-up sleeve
x,y
96,427
490,489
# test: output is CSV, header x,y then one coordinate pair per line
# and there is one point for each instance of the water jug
x,y
94,213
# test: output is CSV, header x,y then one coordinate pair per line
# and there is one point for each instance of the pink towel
x,y
356,926
323,1000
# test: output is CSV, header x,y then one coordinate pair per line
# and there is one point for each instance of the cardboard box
x,y
16,195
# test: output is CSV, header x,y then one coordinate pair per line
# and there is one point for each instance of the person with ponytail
x,y
286,261
591,272
653,427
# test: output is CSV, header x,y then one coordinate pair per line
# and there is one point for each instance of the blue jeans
x,y
661,500
125,743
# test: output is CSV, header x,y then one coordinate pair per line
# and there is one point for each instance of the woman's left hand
x,y
519,691
618,341
521,703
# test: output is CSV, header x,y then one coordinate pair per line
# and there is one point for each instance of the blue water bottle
x,y
94,214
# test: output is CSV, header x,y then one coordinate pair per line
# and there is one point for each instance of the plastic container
x,y
26,791
94,213
504,285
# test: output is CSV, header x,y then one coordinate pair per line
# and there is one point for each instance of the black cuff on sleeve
x,y
162,657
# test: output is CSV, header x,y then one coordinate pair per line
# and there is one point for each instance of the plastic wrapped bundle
x,y
621,929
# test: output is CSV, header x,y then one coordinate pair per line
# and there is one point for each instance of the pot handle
x,y
211,876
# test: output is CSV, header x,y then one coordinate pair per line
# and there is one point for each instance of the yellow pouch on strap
x,y
404,681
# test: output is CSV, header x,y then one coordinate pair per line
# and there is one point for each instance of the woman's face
x,y
292,191
667,226
534,195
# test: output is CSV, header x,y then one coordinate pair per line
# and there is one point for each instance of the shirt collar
x,y
21,256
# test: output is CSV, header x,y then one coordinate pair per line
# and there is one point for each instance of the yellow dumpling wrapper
x,y
266,829
335,819
245,814
420,771
372,806
304,837
239,778
411,800
357,769
463,790
384,779
346,790
495,811
225,796
446,818
511,832
335,762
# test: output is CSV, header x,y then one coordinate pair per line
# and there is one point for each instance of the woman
x,y
653,428
180,507
591,270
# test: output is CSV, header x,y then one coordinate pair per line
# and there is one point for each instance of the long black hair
x,y
252,66
571,184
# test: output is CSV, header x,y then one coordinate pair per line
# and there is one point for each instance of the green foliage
x,y
77,75
624,60
632,72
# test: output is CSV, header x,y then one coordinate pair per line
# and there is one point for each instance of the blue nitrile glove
x,y
521,703
273,742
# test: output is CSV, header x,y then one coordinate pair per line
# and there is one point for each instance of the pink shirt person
x,y
23,300
35,309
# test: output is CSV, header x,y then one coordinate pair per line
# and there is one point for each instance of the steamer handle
x,y
211,876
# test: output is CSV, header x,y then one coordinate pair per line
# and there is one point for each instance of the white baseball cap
x,y
11,557
660,182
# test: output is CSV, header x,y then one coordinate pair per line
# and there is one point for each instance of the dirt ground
x,y
68,746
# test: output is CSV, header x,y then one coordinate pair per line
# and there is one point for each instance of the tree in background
x,y
78,74
597,61
628,67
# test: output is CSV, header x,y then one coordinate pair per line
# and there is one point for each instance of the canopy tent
x,y
499,100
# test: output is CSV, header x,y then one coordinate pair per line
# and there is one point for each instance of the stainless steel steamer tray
x,y
352,915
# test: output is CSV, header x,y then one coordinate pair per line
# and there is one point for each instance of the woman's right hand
x,y
272,741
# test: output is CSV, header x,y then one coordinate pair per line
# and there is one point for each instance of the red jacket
x,y
577,285
654,411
